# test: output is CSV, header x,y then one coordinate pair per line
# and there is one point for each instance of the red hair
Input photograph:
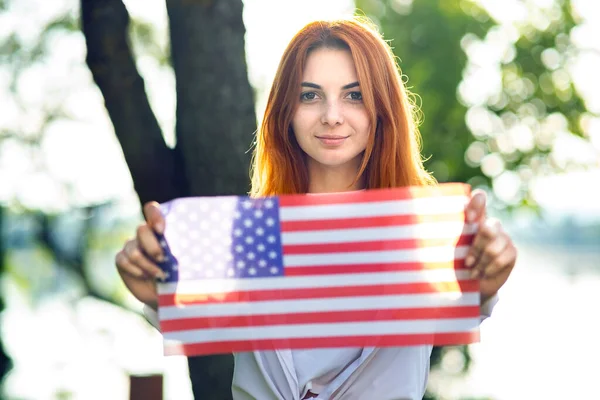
x,y
392,157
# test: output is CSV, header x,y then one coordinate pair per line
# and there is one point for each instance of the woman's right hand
x,y
136,262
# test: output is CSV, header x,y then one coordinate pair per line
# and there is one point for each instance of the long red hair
x,y
392,157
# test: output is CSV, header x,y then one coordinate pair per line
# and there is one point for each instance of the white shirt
x,y
382,373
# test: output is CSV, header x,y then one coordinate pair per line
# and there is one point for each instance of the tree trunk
x,y
155,169
215,117
215,106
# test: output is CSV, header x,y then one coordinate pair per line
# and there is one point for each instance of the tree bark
x,y
155,169
216,119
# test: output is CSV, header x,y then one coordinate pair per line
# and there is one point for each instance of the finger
x,y
491,252
154,217
475,209
148,243
137,257
503,263
487,232
124,266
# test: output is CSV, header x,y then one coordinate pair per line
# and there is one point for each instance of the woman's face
x,y
331,123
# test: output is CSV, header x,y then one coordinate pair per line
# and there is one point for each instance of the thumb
x,y
154,217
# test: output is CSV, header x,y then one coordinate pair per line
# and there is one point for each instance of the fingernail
x,y
161,275
474,274
160,228
160,258
469,261
470,216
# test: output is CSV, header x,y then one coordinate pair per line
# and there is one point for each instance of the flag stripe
x,y
375,302
406,193
400,244
214,286
321,293
375,267
368,222
325,329
451,204
437,339
320,317
433,254
441,230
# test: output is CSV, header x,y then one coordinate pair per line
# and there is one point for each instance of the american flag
x,y
368,268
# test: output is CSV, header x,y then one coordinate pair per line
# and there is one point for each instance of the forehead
x,y
330,65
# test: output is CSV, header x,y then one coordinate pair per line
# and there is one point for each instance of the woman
x,y
338,119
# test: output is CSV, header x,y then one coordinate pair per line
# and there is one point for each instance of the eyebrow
x,y
315,86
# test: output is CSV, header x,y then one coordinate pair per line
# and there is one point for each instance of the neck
x,y
324,179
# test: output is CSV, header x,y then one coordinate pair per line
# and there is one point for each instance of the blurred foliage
x,y
494,97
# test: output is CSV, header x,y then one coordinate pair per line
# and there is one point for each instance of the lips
x,y
332,140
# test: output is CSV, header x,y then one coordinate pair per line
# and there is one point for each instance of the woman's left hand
x,y
492,255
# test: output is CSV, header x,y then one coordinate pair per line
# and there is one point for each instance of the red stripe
x,y
178,299
369,222
379,245
437,339
319,317
405,193
366,268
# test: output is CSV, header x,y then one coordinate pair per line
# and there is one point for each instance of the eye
x,y
355,96
308,96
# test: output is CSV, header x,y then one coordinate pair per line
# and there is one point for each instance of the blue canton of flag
x,y
222,237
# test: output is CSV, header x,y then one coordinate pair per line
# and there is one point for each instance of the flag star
x,y
247,204
260,247
220,266
251,256
163,243
215,215
239,248
273,270
269,203
204,225
237,232
237,215
208,258
252,271
230,272
271,239
240,264
262,263
247,222
270,221
249,239
272,254
258,214
209,273
260,231
228,257
206,242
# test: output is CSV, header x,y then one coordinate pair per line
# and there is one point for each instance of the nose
x,y
332,114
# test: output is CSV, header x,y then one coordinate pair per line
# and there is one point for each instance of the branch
x,y
153,166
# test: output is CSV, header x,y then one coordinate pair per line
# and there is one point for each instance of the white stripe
x,y
440,299
431,254
436,230
215,286
324,330
428,205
